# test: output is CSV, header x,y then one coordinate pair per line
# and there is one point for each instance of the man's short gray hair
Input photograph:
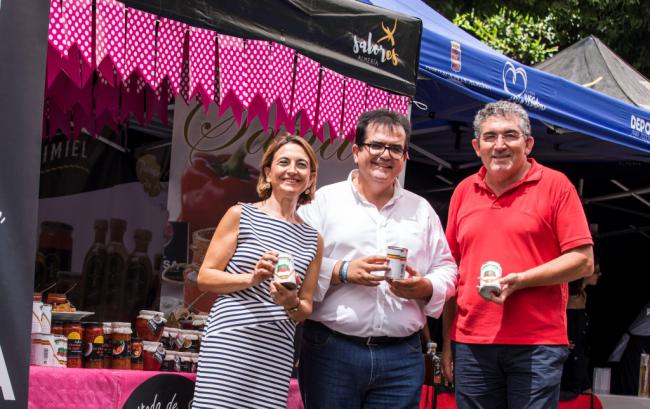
x,y
502,108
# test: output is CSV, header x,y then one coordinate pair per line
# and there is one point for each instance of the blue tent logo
x,y
515,80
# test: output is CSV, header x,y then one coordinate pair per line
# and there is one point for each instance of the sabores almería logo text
x,y
384,50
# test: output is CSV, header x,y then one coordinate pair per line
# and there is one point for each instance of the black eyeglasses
x,y
378,149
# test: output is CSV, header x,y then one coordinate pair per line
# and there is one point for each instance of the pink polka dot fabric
x,y
281,76
171,36
58,29
354,105
377,98
140,45
256,73
78,14
306,92
203,64
111,36
331,103
232,65
399,103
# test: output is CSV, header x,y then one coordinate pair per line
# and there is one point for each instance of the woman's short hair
x,y
264,188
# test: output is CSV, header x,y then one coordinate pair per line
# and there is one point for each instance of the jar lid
x,y
172,330
155,317
170,355
151,312
198,323
151,346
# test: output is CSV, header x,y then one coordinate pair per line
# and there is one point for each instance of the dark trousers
x,y
508,376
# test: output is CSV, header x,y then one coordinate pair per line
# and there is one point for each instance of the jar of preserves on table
x,y
187,341
93,344
73,331
149,325
107,350
171,363
57,328
186,361
137,358
153,355
169,338
121,335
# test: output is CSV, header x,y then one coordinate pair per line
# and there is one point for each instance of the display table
x,y
64,388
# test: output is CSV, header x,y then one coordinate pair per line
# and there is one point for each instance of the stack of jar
x,y
182,347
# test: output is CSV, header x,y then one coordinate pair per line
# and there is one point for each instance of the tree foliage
x,y
520,36
624,25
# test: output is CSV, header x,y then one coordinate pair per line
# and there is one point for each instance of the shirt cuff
x,y
324,278
441,292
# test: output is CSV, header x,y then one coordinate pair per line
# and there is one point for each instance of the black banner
x,y
371,44
23,30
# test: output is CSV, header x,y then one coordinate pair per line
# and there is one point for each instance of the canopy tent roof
x,y
459,74
591,63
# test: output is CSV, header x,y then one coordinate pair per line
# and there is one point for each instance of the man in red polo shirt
x,y
508,351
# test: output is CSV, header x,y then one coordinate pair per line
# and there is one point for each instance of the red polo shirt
x,y
533,222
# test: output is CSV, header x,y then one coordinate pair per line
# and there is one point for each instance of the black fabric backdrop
x,y
323,30
23,37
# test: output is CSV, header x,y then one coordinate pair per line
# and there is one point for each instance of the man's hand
x,y
447,362
413,287
509,284
360,270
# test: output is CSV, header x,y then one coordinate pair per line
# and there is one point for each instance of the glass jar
x,y
107,350
171,363
186,361
195,363
121,345
153,355
137,358
73,331
187,340
149,325
57,328
93,344
169,338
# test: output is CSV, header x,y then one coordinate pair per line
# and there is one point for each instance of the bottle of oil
x,y
643,375
92,277
139,275
114,285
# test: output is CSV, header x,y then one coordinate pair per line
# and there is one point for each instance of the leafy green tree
x,y
520,36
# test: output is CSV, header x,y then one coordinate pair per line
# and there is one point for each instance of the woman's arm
x,y
300,307
212,276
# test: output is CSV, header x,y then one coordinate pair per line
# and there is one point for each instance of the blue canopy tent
x,y
458,74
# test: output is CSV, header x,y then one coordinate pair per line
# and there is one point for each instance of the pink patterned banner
x,y
140,45
331,104
203,64
232,80
281,76
399,103
355,105
257,101
79,15
171,39
377,98
58,42
305,95
111,37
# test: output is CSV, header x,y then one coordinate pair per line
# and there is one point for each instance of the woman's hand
x,y
265,267
281,295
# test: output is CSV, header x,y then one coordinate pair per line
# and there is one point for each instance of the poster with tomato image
x,y
214,165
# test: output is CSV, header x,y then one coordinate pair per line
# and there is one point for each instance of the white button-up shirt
x,y
352,228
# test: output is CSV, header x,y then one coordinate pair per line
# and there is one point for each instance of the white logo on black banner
x,y
2,217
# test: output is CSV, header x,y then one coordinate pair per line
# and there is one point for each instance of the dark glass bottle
x,y
92,278
115,274
139,274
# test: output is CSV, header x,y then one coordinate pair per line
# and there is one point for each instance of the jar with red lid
x,y
93,344
73,331
121,345
107,350
153,355
137,357
149,325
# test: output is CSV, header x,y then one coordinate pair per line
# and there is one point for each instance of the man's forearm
x,y
572,265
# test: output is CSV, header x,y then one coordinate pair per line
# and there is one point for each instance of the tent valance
x,y
107,61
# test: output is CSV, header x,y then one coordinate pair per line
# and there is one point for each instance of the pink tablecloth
x,y
64,388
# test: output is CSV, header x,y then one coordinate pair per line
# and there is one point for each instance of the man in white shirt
x,y
361,346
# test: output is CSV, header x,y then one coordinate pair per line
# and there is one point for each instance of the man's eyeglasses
x,y
509,136
378,149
